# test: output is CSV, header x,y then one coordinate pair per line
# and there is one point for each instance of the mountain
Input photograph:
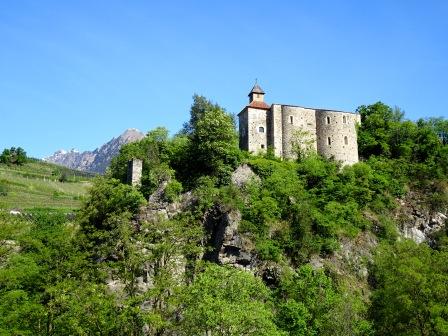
x,y
98,160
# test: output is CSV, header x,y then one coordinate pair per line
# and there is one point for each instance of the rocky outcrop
x,y
416,220
98,160
228,247
243,175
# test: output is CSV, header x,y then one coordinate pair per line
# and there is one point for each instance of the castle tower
x,y
253,123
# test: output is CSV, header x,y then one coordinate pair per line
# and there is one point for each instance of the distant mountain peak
x,y
98,160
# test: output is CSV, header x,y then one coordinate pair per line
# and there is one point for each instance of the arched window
x,y
328,120
344,119
261,129
329,141
262,146
346,140
291,120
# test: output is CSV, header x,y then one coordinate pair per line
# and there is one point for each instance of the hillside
x,y
98,160
36,184
220,241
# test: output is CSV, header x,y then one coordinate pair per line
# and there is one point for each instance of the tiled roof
x,y
256,89
259,104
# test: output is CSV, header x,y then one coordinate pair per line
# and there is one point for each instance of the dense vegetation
x,y
13,156
104,273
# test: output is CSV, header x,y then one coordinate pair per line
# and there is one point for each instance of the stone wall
x,y
135,167
275,130
336,135
297,120
257,130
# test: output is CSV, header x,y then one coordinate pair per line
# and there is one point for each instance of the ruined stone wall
x,y
297,120
134,176
257,130
336,135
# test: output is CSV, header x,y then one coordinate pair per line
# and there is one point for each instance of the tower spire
x,y
257,93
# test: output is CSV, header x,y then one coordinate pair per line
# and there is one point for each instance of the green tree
x,y
215,144
110,204
410,296
13,155
377,120
226,301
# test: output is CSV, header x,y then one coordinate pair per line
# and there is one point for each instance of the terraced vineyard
x,y
39,184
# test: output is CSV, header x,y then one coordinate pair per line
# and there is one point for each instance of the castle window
x,y
261,129
329,141
344,119
346,140
328,120
291,120
262,146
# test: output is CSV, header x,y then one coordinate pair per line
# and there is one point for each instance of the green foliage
x,y
311,305
410,292
13,156
214,143
108,207
226,301
421,152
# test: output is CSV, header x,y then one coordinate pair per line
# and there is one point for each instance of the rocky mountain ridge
x,y
98,160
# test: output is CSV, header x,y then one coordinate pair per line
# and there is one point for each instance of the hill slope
x,y
37,184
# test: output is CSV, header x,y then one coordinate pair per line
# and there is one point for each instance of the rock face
x,y
227,246
417,221
98,160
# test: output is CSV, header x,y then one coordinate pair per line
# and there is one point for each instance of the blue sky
x,y
77,73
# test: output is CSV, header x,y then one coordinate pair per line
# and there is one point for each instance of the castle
x,y
329,132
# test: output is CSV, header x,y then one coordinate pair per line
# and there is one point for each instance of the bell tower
x,y
256,94
253,122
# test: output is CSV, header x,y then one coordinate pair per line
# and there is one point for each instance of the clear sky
x,y
77,73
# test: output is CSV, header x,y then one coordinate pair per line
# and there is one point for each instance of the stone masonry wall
x,y
294,120
336,135
134,176
257,139
276,131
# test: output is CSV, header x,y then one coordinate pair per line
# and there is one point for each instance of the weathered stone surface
x,y
243,175
135,167
228,247
417,221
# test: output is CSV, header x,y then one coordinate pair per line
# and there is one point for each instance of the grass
x,y
37,184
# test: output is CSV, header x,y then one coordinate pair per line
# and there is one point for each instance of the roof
x,y
256,89
259,105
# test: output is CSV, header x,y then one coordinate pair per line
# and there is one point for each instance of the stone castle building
x,y
329,132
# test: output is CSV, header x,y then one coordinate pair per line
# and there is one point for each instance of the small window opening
x,y
261,129
346,140
262,146
291,119
328,120
344,119
329,141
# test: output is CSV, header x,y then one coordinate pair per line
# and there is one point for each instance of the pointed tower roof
x,y
256,89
